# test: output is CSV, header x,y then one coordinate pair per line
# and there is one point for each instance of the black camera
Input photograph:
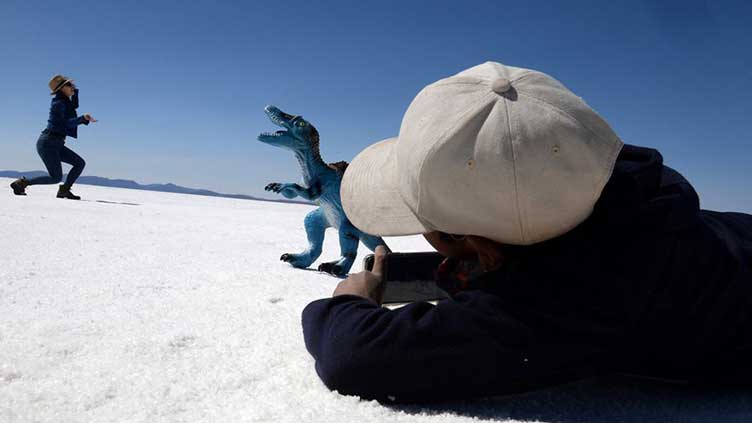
x,y
409,277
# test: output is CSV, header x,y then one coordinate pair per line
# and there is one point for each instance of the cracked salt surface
x,y
179,309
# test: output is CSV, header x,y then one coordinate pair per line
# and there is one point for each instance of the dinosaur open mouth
x,y
276,119
274,134
279,118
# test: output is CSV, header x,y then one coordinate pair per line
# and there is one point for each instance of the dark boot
x,y
19,186
65,192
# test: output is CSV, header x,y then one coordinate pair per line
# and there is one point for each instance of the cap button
x,y
501,85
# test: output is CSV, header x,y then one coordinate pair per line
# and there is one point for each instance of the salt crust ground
x,y
139,306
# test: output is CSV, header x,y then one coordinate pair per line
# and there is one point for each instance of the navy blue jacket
x,y
63,119
648,284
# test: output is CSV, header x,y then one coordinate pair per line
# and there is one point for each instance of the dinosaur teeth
x,y
276,120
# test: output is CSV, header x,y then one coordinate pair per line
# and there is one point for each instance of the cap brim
x,y
370,193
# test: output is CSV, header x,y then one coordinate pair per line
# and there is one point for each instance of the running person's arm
x,y
61,123
87,117
74,99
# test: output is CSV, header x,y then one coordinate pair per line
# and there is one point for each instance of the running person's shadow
x,y
112,202
613,399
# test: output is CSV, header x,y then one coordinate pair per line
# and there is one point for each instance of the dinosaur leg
x,y
372,242
348,244
315,225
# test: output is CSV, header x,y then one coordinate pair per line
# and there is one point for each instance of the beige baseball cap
x,y
496,151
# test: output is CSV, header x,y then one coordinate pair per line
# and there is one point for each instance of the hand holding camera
x,y
366,284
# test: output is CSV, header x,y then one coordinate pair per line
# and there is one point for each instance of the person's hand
x,y
369,285
89,118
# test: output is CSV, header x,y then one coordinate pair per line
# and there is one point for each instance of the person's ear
x,y
490,253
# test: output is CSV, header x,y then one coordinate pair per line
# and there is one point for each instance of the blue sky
x,y
179,87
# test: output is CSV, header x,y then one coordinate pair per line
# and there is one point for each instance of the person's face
x,y
68,89
488,252
453,246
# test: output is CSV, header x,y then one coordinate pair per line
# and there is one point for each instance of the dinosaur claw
x,y
274,186
330,268
286,257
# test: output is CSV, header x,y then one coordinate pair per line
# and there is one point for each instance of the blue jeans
x,y
52,150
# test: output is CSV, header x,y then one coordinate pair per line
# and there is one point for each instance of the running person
x,y
62,122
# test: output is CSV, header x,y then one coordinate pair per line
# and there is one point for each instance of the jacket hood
x,y
643,191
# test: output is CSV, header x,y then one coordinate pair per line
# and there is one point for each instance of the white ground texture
x,y
138,306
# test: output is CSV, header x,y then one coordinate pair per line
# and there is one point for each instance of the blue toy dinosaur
x,y
321,182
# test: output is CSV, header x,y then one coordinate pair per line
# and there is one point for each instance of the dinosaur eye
x,y
301,123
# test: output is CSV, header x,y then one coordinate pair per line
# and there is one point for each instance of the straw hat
x,y
57,82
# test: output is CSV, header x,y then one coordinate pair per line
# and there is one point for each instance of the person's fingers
x,y
378,261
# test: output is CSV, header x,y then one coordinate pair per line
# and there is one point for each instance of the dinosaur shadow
x,y
321,272
612,399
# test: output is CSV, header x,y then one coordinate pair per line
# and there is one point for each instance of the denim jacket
x,y
63,120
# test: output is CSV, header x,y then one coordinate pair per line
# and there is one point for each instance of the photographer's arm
x,y
459,348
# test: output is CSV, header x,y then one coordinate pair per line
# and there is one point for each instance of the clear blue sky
x,y
179,87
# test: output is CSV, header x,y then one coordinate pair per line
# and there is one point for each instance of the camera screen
x,y
410,277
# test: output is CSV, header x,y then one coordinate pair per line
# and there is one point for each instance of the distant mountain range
x,y
125,183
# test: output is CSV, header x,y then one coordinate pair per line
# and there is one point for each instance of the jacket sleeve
x,y
463,347
74,99
61,123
